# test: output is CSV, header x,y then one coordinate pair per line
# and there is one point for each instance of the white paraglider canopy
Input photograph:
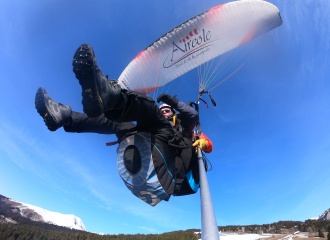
x,y
196,41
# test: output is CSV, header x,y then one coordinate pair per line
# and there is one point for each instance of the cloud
x,y
321,22
61,170
148,229
18,146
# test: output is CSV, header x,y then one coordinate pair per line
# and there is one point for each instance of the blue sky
x,y
270,128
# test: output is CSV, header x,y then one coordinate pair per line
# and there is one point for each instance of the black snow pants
x,y
137,107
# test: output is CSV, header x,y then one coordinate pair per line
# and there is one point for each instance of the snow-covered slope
x,y
325,215
4,219
39,214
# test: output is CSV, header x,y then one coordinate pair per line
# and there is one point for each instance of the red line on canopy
x,y
139,54
146,90
249,35
216,7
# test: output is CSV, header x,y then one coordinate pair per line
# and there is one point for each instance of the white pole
x,y
209,223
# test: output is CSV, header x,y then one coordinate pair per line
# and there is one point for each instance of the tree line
x,y
28,229
311,226
26,232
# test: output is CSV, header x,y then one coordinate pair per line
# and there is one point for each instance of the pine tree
x,y
321,234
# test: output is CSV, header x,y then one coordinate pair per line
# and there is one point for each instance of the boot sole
x,y
84,69
40,104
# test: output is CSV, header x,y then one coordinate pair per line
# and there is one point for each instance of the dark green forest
x,y
28,229
277,227
9,231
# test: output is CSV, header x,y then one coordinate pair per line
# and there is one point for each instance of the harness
x,y
172,176
178,141
183,151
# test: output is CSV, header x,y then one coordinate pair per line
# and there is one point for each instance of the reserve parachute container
x,y
148,167
196,41
137,169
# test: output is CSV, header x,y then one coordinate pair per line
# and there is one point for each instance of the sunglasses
x,y
166,111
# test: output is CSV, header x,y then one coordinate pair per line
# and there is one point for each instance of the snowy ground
x,y
243,236
228,236
302,235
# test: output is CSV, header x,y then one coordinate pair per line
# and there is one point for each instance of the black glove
x,y
166,98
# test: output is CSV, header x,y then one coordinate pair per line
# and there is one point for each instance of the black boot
x,y
99,94
55,114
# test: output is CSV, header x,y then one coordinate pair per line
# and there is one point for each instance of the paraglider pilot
x,y
159,144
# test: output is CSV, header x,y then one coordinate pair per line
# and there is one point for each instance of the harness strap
x,y
178,135
178,185
111,143
177,146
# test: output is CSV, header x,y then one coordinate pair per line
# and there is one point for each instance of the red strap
x,y
111,143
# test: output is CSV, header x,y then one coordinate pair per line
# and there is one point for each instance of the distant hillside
x,y
42,215
28,229
14,226
325,215
280,227
18,220
8,231
25,228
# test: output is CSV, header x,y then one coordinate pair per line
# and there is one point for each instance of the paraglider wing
x,y
198,40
